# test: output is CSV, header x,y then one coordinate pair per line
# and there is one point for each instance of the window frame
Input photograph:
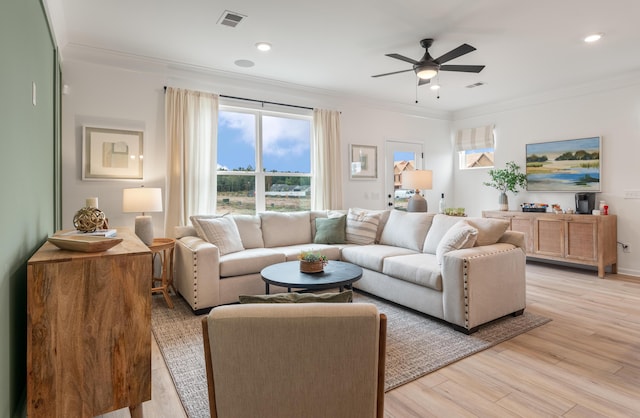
x,y
259,171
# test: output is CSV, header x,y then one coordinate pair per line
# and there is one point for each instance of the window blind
x,y
475,138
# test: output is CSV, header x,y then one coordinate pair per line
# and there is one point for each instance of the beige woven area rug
x,y
416,345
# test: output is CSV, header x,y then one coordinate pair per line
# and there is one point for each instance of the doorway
x,y
400,157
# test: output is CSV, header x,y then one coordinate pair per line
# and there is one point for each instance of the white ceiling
x,y
528,47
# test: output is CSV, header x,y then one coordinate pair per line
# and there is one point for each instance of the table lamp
x,y
418,180
143,199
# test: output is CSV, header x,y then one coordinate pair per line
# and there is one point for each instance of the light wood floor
x,y
585,363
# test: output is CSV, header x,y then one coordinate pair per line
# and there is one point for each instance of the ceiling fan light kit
x,y
427,71
428,67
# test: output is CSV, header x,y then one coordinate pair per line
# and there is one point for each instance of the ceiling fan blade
x,y
462,68
423,81
402,58
395,72
455,53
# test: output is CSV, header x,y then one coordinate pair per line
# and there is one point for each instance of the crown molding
x,y
180,72
569,92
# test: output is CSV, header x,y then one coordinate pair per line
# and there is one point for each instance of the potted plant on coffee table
x,y
312,262
508,179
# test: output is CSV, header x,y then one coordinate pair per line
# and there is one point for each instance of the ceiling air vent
x,y
230,19
478,84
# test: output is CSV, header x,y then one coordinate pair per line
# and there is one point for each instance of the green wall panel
x,y
27,139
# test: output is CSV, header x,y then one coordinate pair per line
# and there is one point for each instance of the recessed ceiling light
x,y
435,87
244,63
593,37
263,46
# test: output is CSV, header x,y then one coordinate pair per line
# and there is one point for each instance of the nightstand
x,y
163,247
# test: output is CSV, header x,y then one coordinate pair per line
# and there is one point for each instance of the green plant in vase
x,y
508,179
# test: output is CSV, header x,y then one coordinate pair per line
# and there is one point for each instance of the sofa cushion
x,y
362,227
372,256
248,261
285,228
250,230
439,227
330,230
406,229
460,235
223,233
420,269
489,229
341,297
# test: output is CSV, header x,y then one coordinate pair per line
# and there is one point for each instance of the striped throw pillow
x,y
362,227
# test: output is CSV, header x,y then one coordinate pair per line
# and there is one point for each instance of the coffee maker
x,y
585,203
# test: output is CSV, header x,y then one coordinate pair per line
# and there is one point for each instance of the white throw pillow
x,y
439,227
223,233
461,235
406,229
362,227
195,221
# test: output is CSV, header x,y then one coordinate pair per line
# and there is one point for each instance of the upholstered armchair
x,y
295,360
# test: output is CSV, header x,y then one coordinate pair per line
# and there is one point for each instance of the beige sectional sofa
x,y
466,271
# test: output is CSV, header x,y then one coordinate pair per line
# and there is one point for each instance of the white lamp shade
x,y
142,199
417,179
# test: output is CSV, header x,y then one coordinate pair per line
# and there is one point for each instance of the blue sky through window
x,y
286,142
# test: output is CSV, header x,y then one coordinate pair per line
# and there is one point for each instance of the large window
x,y
264,161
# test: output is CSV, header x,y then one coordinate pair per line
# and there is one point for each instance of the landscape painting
x,y
564,166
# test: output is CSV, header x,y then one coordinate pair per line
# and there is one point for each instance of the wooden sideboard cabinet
x,y
89,330
582,239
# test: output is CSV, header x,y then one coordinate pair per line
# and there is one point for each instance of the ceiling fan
x,y
427,67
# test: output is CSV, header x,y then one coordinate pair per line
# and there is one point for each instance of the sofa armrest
x,y
197,272
515,238
483,283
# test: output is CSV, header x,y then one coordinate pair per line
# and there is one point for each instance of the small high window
x,y
475,147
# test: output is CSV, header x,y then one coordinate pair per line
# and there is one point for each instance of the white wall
x,y
110,96
613,114
113,96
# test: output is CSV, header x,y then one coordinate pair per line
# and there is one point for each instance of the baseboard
x,y
629,272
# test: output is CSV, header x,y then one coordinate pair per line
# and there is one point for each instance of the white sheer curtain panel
x,y
327,161
192,130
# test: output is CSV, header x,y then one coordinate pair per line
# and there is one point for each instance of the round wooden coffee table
x,y
336,274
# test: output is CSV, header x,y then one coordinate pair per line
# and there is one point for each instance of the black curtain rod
x,y
258,101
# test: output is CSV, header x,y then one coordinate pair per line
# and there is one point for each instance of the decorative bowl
x,y
88,244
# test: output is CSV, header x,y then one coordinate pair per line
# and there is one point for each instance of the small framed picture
x,y
111,154
364,162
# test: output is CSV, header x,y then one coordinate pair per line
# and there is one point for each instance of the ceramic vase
x,y
503,201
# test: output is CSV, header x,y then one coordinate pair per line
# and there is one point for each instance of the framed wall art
x,y
572,165
111,154
364,162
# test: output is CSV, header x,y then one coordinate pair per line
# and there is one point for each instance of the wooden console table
x,y
89,330
582,239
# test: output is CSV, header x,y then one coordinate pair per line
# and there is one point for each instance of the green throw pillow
x,y
331,230
342,297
